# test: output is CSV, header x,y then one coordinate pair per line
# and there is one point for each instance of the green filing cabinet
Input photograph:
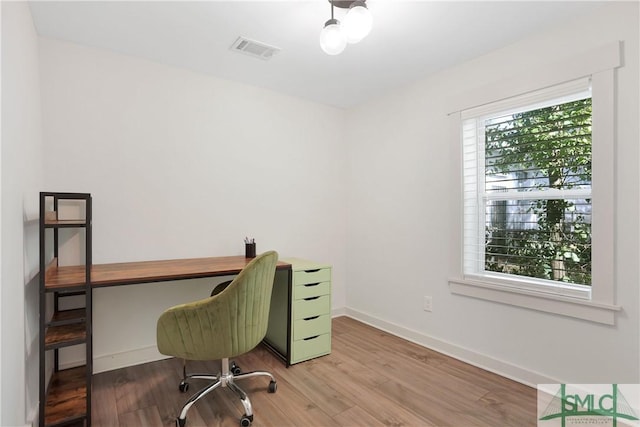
x,y
310,310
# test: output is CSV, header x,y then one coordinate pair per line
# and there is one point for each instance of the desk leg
x,y
278,338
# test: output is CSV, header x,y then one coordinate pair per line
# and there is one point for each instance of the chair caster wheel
x,y
235,369
183,387
246,421
273,386
181,422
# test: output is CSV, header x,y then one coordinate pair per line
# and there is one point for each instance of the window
x,y
535,221
527,190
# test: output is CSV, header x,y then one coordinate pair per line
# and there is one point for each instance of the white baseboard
x,y
336,312
500,367
32,418
126,358
123,359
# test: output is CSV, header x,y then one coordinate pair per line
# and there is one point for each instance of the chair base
x,y
226,378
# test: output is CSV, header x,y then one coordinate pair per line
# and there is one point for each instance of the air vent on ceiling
x,y
254,48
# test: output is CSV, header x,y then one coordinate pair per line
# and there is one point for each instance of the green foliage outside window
x,y
543,149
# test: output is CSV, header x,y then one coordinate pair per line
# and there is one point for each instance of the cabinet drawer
x,y
311,290
311,347
304,277
305,328
311,307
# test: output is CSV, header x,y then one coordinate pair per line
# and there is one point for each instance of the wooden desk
x,y
130,273
70,278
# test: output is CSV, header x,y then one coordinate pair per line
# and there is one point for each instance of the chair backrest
x,y
225,325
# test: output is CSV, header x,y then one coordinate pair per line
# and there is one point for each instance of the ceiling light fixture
x,y
332,39
357,24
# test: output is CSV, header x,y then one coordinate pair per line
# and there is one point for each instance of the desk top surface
x,y
128,273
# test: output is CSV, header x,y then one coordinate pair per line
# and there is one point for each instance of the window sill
x,y
566,306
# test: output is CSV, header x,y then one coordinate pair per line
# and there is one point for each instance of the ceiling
x,y
409,40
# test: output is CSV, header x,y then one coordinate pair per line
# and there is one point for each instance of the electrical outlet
x,y
428,304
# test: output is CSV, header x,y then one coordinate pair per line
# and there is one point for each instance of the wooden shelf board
x,y
71,293
65,335
52,223
65,317
57,278
67,396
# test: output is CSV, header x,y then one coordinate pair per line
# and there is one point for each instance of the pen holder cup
x,y
250,250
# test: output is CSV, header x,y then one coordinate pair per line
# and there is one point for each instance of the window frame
x,y
475,195
598,65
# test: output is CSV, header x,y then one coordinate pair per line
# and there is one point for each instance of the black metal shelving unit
x,y
65,395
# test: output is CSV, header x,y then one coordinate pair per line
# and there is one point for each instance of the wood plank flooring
x,y
371,379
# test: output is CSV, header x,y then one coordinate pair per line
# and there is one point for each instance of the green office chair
x,y
225,325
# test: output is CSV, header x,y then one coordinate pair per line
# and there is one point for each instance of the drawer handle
x,y
311,318
312,271
311,298
310,285
311,338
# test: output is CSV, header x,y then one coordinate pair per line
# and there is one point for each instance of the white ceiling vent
x,y
254,48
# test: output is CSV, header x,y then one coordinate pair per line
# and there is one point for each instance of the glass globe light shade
x,y
332,39
357,22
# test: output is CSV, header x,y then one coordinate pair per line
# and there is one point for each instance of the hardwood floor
x,y
370,379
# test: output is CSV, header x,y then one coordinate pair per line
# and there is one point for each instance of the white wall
x,y
21,180
400,220
185,165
